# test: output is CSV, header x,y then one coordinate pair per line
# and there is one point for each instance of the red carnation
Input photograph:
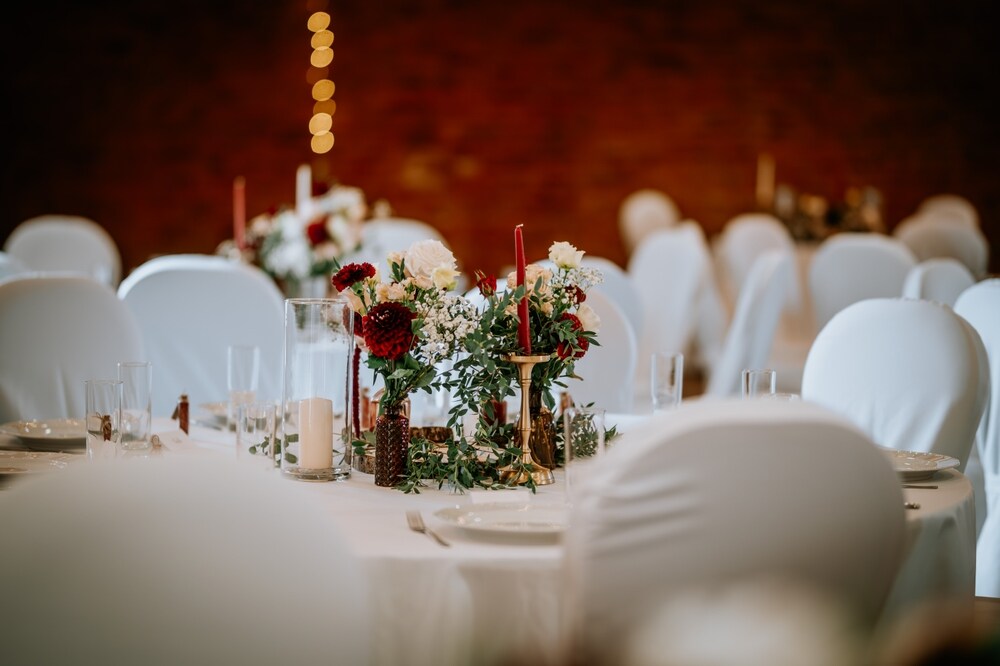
x,y
487,284
387,330
564,350
316,231
351,274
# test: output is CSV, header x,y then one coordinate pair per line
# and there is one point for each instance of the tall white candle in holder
x,y
315,433
303,190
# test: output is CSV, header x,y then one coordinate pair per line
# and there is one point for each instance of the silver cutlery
x,y
416,523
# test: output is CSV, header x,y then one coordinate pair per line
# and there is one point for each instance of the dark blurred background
x,y
476,116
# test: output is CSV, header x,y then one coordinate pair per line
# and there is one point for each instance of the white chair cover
x,y
909,373
11,265
383,235
751,332
722,491
941,280
190,308
643,212
980,306
950,206
607,370
928,239
672,270
175,561
56,332
66,243
851,267
743,239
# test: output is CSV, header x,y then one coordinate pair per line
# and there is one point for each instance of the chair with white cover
x,y
57,331
607,370
672,269
190,308
751,332
942,280
912,374
744,238
928,239
980,306
11,265
852,266
643,212
694,498
66,243
383,235
952,207
163,561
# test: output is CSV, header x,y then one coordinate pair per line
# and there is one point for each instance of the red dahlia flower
x,y
352,274
387,330
564,350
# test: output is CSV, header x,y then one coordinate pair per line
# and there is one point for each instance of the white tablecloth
x,y
492,599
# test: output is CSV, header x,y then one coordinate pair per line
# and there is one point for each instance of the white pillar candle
x,y
315,433
303,190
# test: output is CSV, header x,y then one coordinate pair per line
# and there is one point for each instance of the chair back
x,y
852,266
743,239
11,266
66,243
751,332
728,490
980,306
164,561
950,207
190,308
942,280
57,331
383,235
643,212
912,374
929,239
607,370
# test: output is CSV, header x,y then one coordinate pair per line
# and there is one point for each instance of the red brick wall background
x,y
475,116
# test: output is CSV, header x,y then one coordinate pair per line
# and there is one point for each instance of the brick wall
x,y
475,116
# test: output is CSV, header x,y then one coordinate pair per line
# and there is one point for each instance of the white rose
x,y
426,255
564,255
591,320
444,277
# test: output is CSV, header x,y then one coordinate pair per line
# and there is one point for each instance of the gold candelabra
x,y
529,469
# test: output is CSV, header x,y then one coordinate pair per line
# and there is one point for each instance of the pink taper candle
x,y
239,212
523,327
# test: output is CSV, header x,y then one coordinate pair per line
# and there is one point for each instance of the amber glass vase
x,y
392,443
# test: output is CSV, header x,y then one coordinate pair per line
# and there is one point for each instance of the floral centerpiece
x,y
409,324
295,245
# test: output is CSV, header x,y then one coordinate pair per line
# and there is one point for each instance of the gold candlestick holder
x,y
542,476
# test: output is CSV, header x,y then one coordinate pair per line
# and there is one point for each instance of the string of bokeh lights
x,y
322,85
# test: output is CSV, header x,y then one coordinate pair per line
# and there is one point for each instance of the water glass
x,y
243,362
758,383
137,404
583,441
104,417
666,380
256,426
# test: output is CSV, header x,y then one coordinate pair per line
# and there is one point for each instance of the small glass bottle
x,y
181,412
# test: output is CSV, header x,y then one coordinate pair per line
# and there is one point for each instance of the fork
x,y
416,523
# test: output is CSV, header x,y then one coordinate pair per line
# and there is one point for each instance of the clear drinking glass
x,y
104,417
583,441
666,380
758,383
256,428
243,363
137,404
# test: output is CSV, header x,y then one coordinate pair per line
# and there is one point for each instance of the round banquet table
x,y
497,598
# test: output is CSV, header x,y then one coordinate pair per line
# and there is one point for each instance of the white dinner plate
x,y
508,517
49,434
17,463
917,466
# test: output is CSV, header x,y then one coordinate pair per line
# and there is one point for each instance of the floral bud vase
x,y
392,444
543,430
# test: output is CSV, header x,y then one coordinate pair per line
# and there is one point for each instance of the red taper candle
x,y
523,327
239,212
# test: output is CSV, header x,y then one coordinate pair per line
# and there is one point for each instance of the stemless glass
x,y
243,374
666,380
758,383
104,417
137,404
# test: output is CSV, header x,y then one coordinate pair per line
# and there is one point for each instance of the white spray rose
x,y
565,255
444,277
426,255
